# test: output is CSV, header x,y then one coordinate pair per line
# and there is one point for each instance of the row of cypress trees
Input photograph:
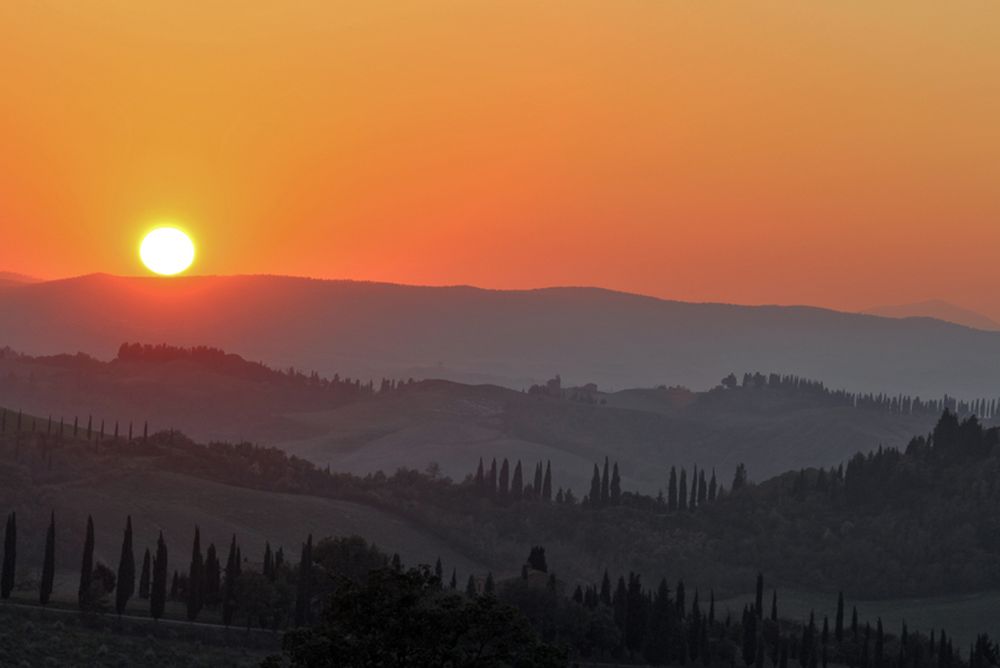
x,y
503,484
204,579
90,432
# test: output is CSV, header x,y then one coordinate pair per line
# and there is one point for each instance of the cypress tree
x,y
547,482
196,579
488,587
616,486
302,599
439,571
479,479
538,480
158,588
49,563
9,557
605,596
470,587
702,488
838,628
454,579
605,483
229,585
268,562
86,566
517,481
713,487
144,576
126,570
213,577
491,479
682,492
504,481
774,606
693,500
672,490
595,488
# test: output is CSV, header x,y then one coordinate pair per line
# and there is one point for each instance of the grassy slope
x,y
79,485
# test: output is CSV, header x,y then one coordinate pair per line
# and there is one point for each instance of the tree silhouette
x,y
9,557
126,570
158,587
144,576
48,563
86,566
196,578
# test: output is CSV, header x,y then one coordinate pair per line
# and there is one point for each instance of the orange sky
x,y
842,153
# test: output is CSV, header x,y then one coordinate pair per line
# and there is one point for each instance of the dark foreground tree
x,y
145,575
303,596
196,579
9,556
49,563
86,566
403,618
126,570
158,588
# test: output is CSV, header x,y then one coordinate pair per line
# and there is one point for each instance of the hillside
x,y
212,395
77,477
510,338
890,524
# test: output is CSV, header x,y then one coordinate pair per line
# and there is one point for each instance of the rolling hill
x,y
454,425
509,338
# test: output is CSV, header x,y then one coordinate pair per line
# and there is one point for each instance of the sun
x,y
167,251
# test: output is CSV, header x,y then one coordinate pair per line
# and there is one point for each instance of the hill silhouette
x,y
510,338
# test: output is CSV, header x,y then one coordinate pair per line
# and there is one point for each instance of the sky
x,y
843,154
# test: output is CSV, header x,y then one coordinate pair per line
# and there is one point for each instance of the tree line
x,y
985,408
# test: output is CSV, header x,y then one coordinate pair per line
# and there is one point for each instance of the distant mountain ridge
x,y
509,337
940,310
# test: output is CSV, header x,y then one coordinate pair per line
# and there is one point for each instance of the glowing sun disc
x,y
167,251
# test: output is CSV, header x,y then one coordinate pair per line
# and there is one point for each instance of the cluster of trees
x,y
900,403
390,616
231,364
259,597
503,484
702,491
